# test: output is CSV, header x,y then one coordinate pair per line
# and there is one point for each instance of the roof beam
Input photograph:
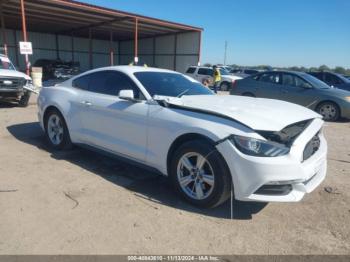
x,y
93,25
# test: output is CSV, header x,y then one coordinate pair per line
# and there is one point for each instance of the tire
x,y
56,130
329,110
214,188
224,86
248,94
23,102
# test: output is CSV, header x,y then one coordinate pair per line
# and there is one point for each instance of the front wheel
x,y
24,100
200,175
329,110
56,130
224,86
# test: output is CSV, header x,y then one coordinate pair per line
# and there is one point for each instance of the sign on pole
x,y
25,48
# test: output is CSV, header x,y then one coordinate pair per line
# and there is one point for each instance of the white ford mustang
x,y
268,150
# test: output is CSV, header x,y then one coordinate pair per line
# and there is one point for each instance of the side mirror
x,y
126,94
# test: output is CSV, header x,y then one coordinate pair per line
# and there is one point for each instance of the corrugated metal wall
x,y
175,52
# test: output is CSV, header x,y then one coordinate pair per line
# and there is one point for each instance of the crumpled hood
x,y
13,73
256,113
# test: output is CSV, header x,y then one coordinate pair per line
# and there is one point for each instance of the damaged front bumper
x,y
282,179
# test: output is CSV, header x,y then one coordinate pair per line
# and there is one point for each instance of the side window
x,y
203,71
302,83
332,79
81,82
288,80
111,82
273,78
191,70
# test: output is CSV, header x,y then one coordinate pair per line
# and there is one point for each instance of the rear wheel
x,y
56,130
200,175
329,110
225,86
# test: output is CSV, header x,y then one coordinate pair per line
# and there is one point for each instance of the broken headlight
x,y
256,147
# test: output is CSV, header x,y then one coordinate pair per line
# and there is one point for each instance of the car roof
x,y
284,71
130,69
200,67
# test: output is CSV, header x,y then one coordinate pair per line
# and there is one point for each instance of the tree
x,y
323,68
340,70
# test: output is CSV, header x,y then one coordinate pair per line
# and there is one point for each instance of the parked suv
x,y
333,79
200,73
14,85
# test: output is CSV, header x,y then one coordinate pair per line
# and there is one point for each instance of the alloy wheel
x,y
195,176
328,111
55,129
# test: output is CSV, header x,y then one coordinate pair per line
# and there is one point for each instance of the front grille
x,y
311,147
12,82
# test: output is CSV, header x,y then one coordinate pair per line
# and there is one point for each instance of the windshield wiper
x,y
182,93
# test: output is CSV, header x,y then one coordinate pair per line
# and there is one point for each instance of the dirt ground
x,y
78,202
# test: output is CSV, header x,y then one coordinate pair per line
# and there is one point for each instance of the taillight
x,y
234,83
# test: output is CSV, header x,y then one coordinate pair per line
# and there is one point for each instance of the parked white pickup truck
x,y
14,85
200,73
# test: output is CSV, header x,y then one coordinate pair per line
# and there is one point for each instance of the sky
x,y
258,32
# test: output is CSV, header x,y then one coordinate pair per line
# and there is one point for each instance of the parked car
x,y
168,122
57,69
299,88
202,73
14,85
333,79
227,68
244,72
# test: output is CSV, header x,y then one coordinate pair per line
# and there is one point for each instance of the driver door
x,y
297,90
111,123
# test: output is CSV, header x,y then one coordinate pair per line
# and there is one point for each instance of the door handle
x,y
86,103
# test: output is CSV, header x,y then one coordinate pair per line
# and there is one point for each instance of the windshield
x,y
223,72
315,81
170,84
5,63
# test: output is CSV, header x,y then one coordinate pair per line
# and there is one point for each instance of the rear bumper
x,y
254,177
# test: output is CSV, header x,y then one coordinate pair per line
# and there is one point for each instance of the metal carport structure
x,y
95,36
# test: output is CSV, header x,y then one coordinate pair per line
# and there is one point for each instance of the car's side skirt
x,y
120,158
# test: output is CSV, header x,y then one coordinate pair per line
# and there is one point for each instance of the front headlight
x,y
256,147
29,82
347,98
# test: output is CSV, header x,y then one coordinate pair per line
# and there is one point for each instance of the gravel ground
x,y
78,202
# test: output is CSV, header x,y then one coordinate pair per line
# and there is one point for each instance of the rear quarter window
x,y
191,70
82,82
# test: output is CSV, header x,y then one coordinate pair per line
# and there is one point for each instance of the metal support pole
x,y
72,45
175,51
136,58
199,48
3,30
119,56
90,48
24,29
111,48
16,47
154,52
57,47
